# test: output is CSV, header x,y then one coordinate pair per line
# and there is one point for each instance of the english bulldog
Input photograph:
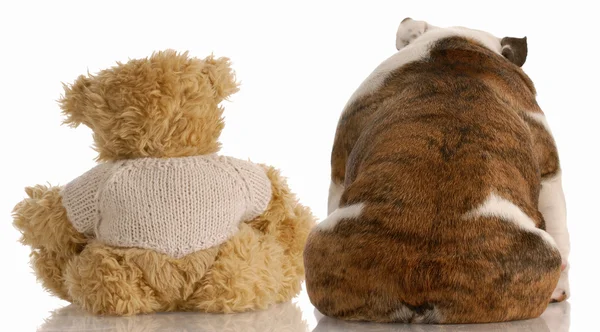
x,y
446,203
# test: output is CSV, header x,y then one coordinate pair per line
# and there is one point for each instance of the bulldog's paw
x,y
562,291
408,31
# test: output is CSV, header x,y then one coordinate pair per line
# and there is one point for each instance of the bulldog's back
x,y
448,130
437,217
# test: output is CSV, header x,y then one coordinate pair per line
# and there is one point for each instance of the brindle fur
x,y
420,152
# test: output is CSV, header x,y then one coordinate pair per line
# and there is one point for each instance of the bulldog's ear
x,y
514,49
410,30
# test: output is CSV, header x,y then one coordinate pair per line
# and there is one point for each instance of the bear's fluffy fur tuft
x,y
165,105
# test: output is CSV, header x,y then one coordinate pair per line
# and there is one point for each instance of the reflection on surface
x,y
554,319
558,317
285,317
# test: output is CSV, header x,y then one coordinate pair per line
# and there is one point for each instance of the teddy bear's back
x,y
172,205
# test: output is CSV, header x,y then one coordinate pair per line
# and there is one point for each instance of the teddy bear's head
x,y
166,105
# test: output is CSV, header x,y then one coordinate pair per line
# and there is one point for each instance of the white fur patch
x,y
496,206
346,212
553,207
335,194
407,315
419,49
563,287
541,119
410,30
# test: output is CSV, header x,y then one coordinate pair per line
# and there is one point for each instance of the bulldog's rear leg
x,y
553,207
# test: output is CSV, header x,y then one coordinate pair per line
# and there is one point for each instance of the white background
x,y
298,63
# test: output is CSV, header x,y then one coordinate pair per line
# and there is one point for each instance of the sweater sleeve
x,y
258,184
80,198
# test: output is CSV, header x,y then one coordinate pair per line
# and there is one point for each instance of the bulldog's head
x,y
411,31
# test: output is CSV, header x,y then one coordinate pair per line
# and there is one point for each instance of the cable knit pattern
x,y
175,206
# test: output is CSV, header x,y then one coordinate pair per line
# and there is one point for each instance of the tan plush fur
x,y
167,106
163,106
42,220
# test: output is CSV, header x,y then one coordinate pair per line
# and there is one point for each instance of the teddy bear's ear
x,y
221,77
77,97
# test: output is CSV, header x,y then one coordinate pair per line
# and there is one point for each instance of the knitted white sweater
x,y
175,206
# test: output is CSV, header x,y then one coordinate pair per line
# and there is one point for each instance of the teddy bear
x,y
163,222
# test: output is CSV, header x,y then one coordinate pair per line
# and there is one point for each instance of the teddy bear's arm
x,y
42,220
46,225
